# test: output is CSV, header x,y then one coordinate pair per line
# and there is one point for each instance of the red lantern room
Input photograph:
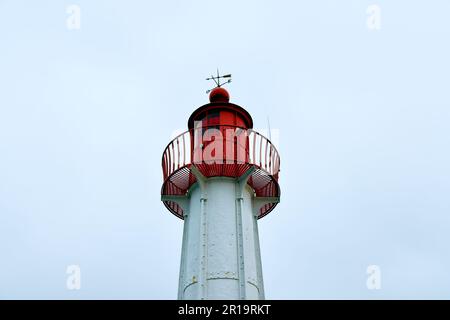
x,y
221,112
220,142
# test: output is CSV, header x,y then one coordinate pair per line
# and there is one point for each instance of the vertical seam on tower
x,y
184,247
204,250
240,240
258,258
203,292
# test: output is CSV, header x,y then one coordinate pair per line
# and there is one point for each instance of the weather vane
x,y
217,80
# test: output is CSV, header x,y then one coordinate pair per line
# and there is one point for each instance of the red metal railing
x,y
259,151
249,148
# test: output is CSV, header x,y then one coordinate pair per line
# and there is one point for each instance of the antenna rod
x,y
270,131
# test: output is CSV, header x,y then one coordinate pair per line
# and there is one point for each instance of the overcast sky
x,y
363,117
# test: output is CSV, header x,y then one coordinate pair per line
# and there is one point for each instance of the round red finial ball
x,y
219,94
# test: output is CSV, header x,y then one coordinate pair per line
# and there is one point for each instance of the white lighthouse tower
x,y
220,177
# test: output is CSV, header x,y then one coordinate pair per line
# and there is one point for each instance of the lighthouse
x,y
220,177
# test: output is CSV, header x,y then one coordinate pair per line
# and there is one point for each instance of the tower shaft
x,y
220,252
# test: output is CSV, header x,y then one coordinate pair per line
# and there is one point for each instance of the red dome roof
x,y
219,94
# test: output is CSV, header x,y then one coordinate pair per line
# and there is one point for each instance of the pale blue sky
x,y
363,119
